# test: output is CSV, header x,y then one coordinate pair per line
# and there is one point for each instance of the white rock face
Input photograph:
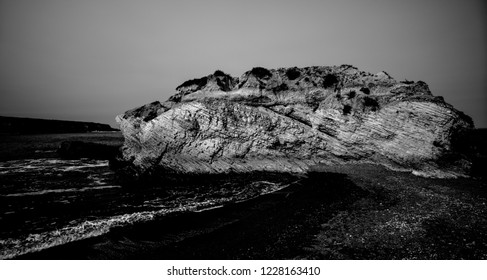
x,y
289,119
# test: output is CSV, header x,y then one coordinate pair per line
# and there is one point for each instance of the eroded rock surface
x,y
289,119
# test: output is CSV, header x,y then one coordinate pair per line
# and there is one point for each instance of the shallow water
x,y
48,202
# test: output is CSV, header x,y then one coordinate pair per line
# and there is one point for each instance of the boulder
x,y
289,119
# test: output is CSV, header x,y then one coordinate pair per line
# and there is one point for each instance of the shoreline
x,y
175,235
345,212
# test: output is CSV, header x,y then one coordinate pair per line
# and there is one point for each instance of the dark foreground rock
x,y
289,119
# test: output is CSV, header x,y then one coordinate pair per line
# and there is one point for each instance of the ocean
x,y
47,201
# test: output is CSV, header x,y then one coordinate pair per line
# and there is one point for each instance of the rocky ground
x,y
406,217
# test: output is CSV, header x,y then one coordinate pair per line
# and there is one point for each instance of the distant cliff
x,y
38,126
289,119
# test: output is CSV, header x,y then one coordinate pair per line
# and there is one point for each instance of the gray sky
x,y
91,60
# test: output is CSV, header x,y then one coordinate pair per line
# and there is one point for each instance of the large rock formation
x,y
289,119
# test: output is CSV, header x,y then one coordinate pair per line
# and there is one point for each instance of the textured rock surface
x,y
292,118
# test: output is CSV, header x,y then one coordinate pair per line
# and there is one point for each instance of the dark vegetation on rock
x,y
330,80
365,90
293,73
220,73
261,72
371,102
279,88
146,112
